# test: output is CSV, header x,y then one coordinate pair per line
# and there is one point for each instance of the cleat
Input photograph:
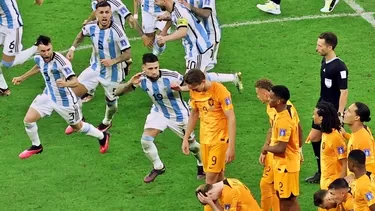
x,y
153,174
200,173
329,6
86,98
33,150
4,92
270,7
104,143
313,179
238,82
102,127
69,130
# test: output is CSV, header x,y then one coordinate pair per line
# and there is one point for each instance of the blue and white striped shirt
x,y
10,15
119,11
58,68
150,6
167,102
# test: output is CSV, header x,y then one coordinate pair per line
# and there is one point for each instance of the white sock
x,y
24,55
157,49
90,130
110,111
195,150
3,83
221,77
91,92
32,132
149,148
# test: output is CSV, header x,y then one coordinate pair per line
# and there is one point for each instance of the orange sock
x,y
268,199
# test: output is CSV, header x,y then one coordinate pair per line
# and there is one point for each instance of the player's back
x,y
150,6
196,41
58,68
166,101
10,15
119,11
364,193
236,196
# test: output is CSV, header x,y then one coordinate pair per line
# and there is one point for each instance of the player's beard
x,y
153,79
47,58
163,8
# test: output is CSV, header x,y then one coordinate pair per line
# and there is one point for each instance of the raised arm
x,y
33,71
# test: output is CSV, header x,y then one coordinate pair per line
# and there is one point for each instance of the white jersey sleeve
x,y
120,8
209,4
65,65
121,39
85,30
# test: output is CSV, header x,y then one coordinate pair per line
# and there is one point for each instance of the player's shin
x,y
221,77
194,148
32,132
3,83
110,111
149,148
90,130
24,55
267,191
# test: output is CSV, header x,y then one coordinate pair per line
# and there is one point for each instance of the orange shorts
x,y
213,157
286,183
268,169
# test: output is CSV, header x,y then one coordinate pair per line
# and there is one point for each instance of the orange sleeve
x,y
230,199
349,204
284,129
369,195
224,98
192,102
340,147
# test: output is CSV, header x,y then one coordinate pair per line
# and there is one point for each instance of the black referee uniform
x,y
333,78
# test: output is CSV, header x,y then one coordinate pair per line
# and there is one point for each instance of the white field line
x,y
358,9
257,22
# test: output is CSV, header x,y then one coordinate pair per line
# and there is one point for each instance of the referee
x,y
333,89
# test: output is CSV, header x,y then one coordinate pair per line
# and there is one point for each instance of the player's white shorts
x,y
45,106
149,22
157,121
91,79
11,39
199,61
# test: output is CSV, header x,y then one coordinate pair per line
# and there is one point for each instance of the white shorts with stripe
x,y
200,61
45,106
150,23
11,39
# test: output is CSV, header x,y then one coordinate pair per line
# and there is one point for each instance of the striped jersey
x,y
119,11
196,40
58,68
167,102
10,15
150,6
211,24
107,44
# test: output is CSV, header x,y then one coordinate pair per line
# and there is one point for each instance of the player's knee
x,y
7,64
30,125
146,141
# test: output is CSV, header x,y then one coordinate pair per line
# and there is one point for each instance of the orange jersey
x,y
271,112
348,204
237,197
333,149
211,105
364,194
285,129
364,141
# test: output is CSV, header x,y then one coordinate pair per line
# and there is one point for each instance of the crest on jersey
x,y
123,43
340,150
369,196
282,132
210,102
228,101
226,206
367,152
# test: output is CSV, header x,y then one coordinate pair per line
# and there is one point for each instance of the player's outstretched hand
x,y
230,155
147,41
262,159
176,87
70,55
185,147
136,78
17,80
164,17
38,2
161,39
107,62
61,82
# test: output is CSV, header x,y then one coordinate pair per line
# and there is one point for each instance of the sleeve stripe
x,y
60,60
119,32
168,73
114,2
178,14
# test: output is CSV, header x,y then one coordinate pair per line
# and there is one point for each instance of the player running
x,y
198,48
11,30
57,96
169,110
111,47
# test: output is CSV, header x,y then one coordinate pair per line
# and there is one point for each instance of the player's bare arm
x,y
168,25
71,82
133,23
279,148
372,207
79,39
33,71
136,4
343,100
343,162
165,17
128,86
39,2
262,157
125,56
231,152
201,12
177,35
193,118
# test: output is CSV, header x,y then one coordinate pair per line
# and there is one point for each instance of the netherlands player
x,y
111,47
228,195
169,110
198,47
337,196
11,29
205,10
57,96
285,148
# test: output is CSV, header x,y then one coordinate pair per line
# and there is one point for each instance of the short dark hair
x,y
358,156
149,58
102,4
319,197
43,40
363,112
339,184
330,117
330,38
281,92
194,77
264,83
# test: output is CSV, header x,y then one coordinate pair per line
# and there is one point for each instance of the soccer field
x,y
71,174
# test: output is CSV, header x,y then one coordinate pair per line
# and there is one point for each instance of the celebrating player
x,y
229,194
338,196
57,96
11,30
285,148
169,110
211,103
111,47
